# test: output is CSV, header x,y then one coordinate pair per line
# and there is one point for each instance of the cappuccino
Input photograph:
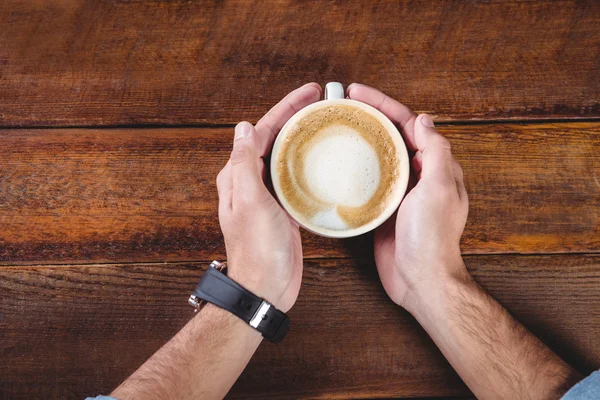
x,y
338,168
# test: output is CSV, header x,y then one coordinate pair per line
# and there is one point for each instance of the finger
x,y
458,172
437,160
413,179
459,179
397,112
417,167
388,228
269,126
384,242
417,162
263,172
224,188
246,167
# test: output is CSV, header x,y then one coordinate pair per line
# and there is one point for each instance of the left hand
x,y
418,251
264,252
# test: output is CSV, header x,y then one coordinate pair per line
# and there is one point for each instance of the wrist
x,y
258,284
433,298
223,321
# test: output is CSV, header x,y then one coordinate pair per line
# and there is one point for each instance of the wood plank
x,y
84,62
149,194
72,331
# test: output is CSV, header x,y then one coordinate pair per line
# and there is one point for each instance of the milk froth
x,y
337,168
341,168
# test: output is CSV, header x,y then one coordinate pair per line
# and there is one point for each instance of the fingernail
x,y
314,85
427,121
352,86
242,130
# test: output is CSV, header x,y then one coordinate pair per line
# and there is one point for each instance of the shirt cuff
x,y
587,389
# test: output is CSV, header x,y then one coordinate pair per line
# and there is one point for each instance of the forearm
x,y
497,357
202,361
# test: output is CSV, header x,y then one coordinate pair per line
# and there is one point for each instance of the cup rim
x,y
402,182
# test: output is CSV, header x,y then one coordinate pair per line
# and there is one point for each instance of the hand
x,y
264,252
419,249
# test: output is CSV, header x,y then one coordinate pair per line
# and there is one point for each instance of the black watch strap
x,y
220,290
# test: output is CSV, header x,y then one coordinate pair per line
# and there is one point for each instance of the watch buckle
x,y
221,267
194,302
259,314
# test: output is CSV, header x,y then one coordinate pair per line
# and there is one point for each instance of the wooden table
x,y
117,115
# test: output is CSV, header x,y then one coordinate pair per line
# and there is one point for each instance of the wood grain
x,y
149,194
72,331
85,62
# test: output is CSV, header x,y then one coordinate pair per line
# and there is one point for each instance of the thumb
x,y
246,165
436,158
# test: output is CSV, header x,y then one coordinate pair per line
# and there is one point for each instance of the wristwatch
x,y
217,288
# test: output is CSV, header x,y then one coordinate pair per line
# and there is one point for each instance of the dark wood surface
x,y
71,331
85,62
103,229
72,195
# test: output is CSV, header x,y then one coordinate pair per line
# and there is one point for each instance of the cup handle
x,y
334,91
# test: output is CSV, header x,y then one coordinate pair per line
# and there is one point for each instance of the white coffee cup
x,y
334,95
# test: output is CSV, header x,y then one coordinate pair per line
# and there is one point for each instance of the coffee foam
x,y
337,167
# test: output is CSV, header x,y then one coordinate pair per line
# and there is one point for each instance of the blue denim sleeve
x,y
100,398
587,389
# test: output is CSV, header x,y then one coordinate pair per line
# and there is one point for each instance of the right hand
x,y
418,250
264,253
